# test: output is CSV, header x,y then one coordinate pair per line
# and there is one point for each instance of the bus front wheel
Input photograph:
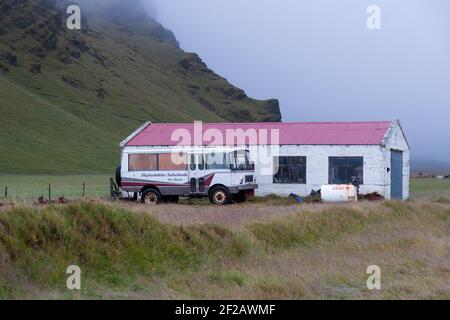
x,y
220,196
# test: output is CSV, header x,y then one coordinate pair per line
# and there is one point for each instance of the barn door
x,y
396,174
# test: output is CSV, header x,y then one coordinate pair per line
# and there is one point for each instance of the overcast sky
x,y
323,64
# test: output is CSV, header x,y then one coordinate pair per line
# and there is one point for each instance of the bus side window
x,y
201,162
192,165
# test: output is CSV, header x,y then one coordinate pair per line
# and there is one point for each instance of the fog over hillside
x,y
123,7
321,61
427,165
319,58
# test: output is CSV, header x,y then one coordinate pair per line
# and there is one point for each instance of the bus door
x,y
197,173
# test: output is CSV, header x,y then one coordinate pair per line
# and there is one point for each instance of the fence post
x,y
111,187
6,192
84,188
49,192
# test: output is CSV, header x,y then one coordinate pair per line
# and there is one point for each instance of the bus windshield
x,y
234,160
218,160
242,160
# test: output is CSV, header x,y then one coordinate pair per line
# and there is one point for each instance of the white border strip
x,y
135,133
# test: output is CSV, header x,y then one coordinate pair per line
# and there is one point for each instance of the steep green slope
x,y
68,97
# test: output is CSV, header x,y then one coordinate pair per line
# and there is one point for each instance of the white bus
x,y
224,174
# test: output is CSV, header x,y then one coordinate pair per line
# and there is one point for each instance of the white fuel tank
x,y
339,193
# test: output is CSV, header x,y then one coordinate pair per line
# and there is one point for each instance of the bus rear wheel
x,y
240,197
220,196
151,197
171,199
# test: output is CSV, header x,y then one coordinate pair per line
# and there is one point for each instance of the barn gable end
x,y
395,141
395,137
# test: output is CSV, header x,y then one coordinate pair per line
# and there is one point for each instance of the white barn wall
x,y
317,168
377,160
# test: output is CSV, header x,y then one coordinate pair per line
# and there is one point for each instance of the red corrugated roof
x,y
300,133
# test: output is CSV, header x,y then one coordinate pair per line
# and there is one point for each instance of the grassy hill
x,y
68,97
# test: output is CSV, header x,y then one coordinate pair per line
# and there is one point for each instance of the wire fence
x,y
26,188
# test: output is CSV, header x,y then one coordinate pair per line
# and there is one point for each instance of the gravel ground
x,y
233,216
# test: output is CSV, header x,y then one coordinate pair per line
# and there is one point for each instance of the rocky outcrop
x,y
273,108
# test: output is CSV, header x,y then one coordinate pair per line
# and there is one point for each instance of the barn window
x,y
172,162
345,170
142,162
290,170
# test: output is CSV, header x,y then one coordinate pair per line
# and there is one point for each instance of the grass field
x,y
30,187
419,186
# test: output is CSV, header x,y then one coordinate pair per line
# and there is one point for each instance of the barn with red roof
x,y
300,157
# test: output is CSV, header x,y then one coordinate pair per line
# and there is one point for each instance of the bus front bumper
x,y
244,187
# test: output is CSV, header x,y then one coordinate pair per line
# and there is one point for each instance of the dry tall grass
x,y
253,251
